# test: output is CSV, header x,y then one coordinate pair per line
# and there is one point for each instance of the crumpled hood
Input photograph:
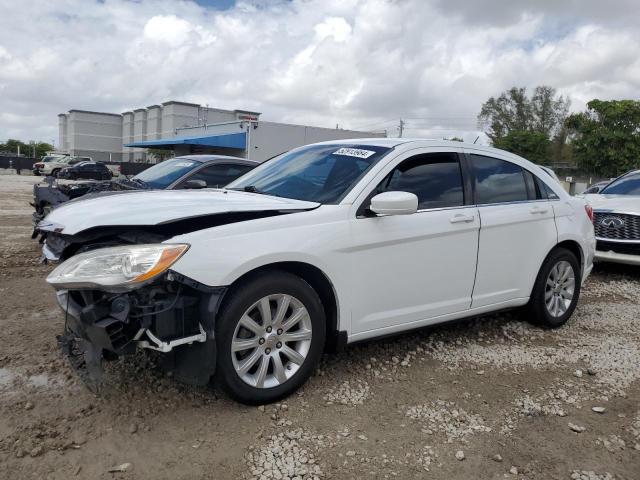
x,y
160,206
618,203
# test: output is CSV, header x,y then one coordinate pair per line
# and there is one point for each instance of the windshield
x,y
318,173
161,175
626,185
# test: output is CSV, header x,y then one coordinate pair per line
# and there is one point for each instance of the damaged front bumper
x,y
174,316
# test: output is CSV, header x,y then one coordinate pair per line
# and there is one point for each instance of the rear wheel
x,y
54,172
557,289
270,335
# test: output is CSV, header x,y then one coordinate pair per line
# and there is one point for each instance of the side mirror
x,y
394,203
194,184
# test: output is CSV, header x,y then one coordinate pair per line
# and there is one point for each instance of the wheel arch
x,y
573,246
320,282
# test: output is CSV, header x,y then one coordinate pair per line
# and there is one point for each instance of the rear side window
x,y
435,178
498,181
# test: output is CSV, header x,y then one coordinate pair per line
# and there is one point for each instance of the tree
x,y
548,113
509,112
606,138
533,146
526,126
35,149
159,155
41,148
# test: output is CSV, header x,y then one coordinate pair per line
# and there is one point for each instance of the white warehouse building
x,y
185,128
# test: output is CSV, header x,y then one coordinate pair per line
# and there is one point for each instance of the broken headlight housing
x,y
116,269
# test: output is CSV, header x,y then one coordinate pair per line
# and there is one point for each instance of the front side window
x,y
317,173
435,178
163,174
498,181
217,176
626,185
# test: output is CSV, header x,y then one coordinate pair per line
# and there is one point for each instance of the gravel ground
x,y
486,398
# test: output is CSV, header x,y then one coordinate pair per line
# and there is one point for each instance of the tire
x,y
54,172
289,362
559,276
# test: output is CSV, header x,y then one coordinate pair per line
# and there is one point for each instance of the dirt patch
x,y
485,398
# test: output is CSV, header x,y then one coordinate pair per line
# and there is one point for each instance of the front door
x,y
407,269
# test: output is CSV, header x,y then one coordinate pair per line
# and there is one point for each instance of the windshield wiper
x,y
247,188
142,183
253,189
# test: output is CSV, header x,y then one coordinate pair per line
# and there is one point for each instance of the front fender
x,y
219,256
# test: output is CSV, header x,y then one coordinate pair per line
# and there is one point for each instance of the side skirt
x,y
473,312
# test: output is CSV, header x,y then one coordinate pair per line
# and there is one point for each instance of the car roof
x,y
394,142
435,142
218,159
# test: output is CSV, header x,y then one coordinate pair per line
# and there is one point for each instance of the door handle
x,y
534,210
461,218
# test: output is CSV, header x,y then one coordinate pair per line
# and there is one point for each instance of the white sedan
x,y
327,244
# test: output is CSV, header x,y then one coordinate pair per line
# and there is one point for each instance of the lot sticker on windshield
x,y
354,152
184,164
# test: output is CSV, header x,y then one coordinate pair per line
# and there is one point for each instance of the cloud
x,y
168,28
321,62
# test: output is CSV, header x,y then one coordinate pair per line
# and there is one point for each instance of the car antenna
x,y
474,142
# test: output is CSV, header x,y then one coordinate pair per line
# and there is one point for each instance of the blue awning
x,y
229,140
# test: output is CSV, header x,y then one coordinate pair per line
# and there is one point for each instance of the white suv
x,y
54,164
327,244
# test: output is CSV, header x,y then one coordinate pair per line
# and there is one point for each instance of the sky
x,y
360,64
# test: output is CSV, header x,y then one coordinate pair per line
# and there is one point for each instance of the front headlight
x,y
116,269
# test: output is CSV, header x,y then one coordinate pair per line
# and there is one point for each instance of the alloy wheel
x,y
271,341
559,288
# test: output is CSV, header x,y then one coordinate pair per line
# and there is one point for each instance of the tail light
x,y
589,210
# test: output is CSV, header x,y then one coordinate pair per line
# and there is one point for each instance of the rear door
x,y
407,269
517,229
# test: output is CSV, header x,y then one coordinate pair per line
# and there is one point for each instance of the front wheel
x,y
270,335
557,289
